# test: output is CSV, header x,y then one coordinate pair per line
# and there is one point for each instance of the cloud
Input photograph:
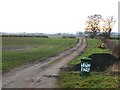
x,y
51,15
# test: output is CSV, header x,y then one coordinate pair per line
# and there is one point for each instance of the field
x,y
0,52
20,50
71,76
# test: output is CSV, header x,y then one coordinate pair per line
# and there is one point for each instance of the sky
x,y
53,16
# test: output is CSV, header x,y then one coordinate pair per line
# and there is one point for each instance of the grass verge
x,y
70,78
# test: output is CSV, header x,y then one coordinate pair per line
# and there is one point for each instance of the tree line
x,y
96,23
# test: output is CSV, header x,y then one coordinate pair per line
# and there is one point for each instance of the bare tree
x,y
93,23
108,26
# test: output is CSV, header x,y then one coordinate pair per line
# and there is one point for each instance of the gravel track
x,y
43,74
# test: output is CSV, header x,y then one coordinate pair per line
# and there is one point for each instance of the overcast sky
x,y
52,16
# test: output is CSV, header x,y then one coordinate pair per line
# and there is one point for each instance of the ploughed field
x,y
17,51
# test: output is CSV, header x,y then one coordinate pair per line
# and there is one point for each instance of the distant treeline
x,y
24,36
43,36
69,37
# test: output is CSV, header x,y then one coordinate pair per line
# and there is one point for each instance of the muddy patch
x,y
100,62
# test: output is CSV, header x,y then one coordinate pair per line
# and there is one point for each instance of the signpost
x,y
85,66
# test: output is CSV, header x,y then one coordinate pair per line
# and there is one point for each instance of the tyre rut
x,y
43,74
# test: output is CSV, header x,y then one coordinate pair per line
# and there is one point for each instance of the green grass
x,y
72,79
96,80
0,60
0,53
44,48
92,48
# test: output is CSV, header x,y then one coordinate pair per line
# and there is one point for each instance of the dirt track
x,y
43,74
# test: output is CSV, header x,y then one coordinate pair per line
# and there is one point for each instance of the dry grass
x,y
113,46
114,69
